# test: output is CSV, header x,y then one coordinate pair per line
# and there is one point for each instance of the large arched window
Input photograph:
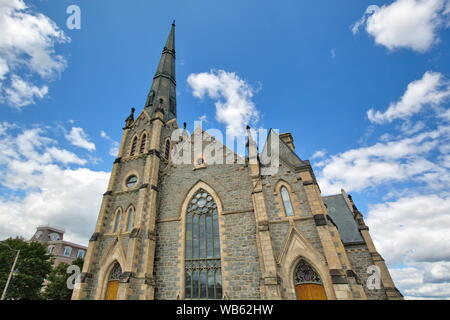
x,y
286,201
203,277
133,146
130,219
308,284
143,143
117,220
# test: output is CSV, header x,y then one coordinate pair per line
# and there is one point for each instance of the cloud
x,y
319,154
79,138
21,93
232,96
114,149
27,42
432,90
43,183
384,162
415,231
411,24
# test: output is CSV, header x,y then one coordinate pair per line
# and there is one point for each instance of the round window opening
x,y
131,181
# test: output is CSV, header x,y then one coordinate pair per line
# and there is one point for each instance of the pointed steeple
x,y
162,93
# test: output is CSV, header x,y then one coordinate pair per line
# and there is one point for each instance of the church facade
x,y
203,230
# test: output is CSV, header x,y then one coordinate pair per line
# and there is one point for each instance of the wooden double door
x,y
310,291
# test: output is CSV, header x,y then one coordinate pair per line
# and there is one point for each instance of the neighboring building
x,y
220,231
63,251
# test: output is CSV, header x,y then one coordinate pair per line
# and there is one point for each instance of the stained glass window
x,y
117,220
203,277
304,273
115,272
286,201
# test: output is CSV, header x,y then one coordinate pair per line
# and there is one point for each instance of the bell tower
x,y
125,234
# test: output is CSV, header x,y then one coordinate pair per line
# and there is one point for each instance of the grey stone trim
x,y
125,277
135,232
320,220
154,152
95,236
338,276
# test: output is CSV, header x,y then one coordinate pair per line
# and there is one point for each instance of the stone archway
x,y
112,286
307,282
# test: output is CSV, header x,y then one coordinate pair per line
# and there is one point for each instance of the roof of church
x,y
342,216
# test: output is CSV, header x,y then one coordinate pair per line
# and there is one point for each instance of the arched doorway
x,y
113,282
308,285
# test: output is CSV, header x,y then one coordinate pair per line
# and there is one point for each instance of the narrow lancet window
x,y
286,201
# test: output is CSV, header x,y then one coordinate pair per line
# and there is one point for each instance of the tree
x,y
57,289
33,266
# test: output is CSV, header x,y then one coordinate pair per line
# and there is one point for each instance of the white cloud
x,y
432,90
27,41
411,24
232,96
392,161
42,188
21,93
319,154
79,138
114,149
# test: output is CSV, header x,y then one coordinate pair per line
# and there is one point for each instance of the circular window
x,y
131,181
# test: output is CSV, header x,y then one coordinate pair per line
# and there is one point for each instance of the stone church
x,y
221,231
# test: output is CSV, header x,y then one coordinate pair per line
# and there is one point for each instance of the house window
x,y
130,219
50,249
203,276
143,142
67,251
286,201
80,254
133,146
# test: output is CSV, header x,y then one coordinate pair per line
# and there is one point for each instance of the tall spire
x,y
162,93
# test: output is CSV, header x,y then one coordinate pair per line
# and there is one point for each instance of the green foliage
x,y
33,265
57,289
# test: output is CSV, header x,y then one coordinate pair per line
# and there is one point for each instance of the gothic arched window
x,y
133,146
203,276
304,273
130,219
286,201
143,142
117,220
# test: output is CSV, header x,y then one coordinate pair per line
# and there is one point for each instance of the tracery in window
x,y
203,276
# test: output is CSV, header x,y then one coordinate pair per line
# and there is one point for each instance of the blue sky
x,y
307,71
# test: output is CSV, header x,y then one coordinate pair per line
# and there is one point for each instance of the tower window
x,y
117,220
131,181
143,142
203,276
286,202
167,149
50,249
130,219
133,146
